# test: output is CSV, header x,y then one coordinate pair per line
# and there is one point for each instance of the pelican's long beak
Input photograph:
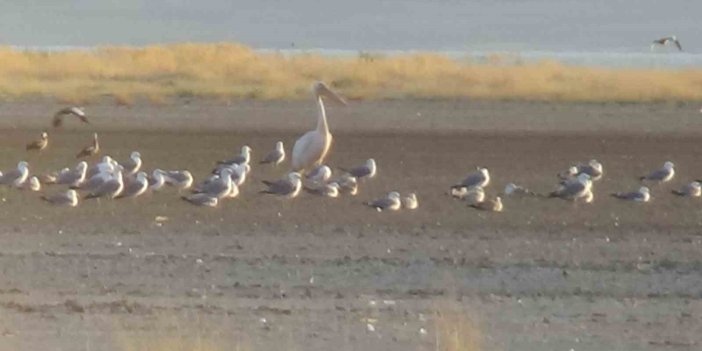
x,y
328,93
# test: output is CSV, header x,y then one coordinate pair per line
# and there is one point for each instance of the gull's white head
x,y
668,165
141,177
370,163
573,170
644,190
245,150
321,89
22,165
279,146
596,165
82,166
72,195
696,185
44,135
394,195
412,196
95,136
294,176
135,155
484,171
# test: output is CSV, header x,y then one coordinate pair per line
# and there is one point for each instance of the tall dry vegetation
x,y
230,70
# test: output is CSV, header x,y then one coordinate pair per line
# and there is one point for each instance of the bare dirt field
x,y
262,273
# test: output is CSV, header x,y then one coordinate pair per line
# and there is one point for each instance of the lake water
x,y
597,32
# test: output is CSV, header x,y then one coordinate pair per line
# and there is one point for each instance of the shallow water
x,y
612,33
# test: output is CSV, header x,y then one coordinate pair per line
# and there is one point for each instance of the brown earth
x,y
544,275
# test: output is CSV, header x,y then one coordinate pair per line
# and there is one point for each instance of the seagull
x,y
180,179
132,165
661,175
68,198
110,188
238,172
480,178
570,173
312,147
492,205
93,183
693,189
471,196
320,174
134,186
288,187
157,180
201,199
244,157
327,190
577,188
665,41
642,195
514,189
32,184
91,149
410,201
593,168
16,176
391,202
368,170
276,156
218,186
107,164
348,184
39,144
73,110
72,177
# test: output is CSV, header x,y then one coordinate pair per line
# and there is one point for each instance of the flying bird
x,y
39,144
665,41
276,156
68,111
311,149
90,150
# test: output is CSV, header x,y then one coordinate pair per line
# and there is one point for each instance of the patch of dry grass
x,y
229,70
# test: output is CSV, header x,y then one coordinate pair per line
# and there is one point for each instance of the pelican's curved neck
x,y
322,125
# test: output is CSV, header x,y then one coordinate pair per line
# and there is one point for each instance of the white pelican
x,y
642,195
16,176
68,198
665,41
693,189
276,156
39,144
479,178
91,149
73,110
661,175
288,187
367,170
410,201
492,205
201,199
391,202
311,149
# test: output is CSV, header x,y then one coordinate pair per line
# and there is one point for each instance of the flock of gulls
x,y
111,179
